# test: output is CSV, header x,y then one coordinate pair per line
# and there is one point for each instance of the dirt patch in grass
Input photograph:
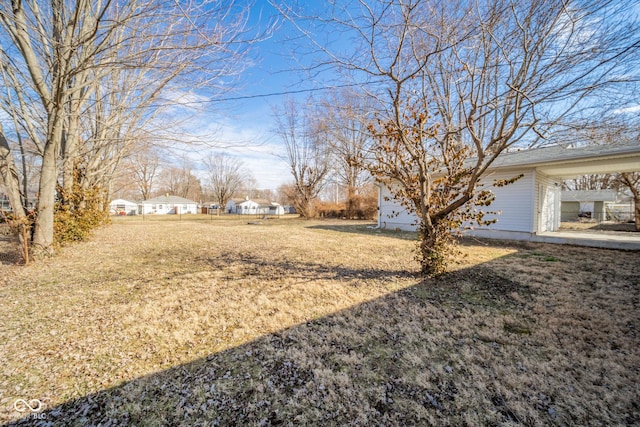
x,y
303,323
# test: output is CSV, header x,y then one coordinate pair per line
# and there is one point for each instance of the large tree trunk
x,y
351,208
11,183
43,232
10,177
434,248
302,204
69,156
632,181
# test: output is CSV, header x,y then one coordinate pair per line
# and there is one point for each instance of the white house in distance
x,y
254,207
531,205
123,207
168,205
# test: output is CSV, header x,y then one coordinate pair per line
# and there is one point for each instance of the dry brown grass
x,y
594,226
221,322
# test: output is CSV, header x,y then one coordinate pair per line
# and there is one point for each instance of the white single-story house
x,y
531,205
168,205
254,207
123,207
589,203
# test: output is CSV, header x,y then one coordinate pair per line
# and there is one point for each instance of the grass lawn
x,y
215,321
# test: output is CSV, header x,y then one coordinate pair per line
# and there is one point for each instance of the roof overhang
x,y
565,163
589,196
560,162
573,168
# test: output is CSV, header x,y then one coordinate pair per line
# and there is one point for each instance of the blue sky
x,y
242,121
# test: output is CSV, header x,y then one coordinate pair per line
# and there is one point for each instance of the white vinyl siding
x,y
391,214
123,206
513,201
531,205
168,208
251,207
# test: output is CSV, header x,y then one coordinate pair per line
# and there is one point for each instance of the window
x,y
159,206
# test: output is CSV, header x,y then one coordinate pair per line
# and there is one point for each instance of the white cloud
x,y
628,110
246,140
260,152
242,130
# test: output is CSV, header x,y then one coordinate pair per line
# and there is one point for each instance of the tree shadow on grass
x,y
9,248
435,353
366,229
255,265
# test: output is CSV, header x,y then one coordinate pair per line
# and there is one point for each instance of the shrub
x,y
76,215
362,206
330,209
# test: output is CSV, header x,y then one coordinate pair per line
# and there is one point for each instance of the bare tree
x,y
346,117
631,180
66,60
28,151
589,182
458,83
11,180
609,128
286,194
180,181
226,175
307,153
142,166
